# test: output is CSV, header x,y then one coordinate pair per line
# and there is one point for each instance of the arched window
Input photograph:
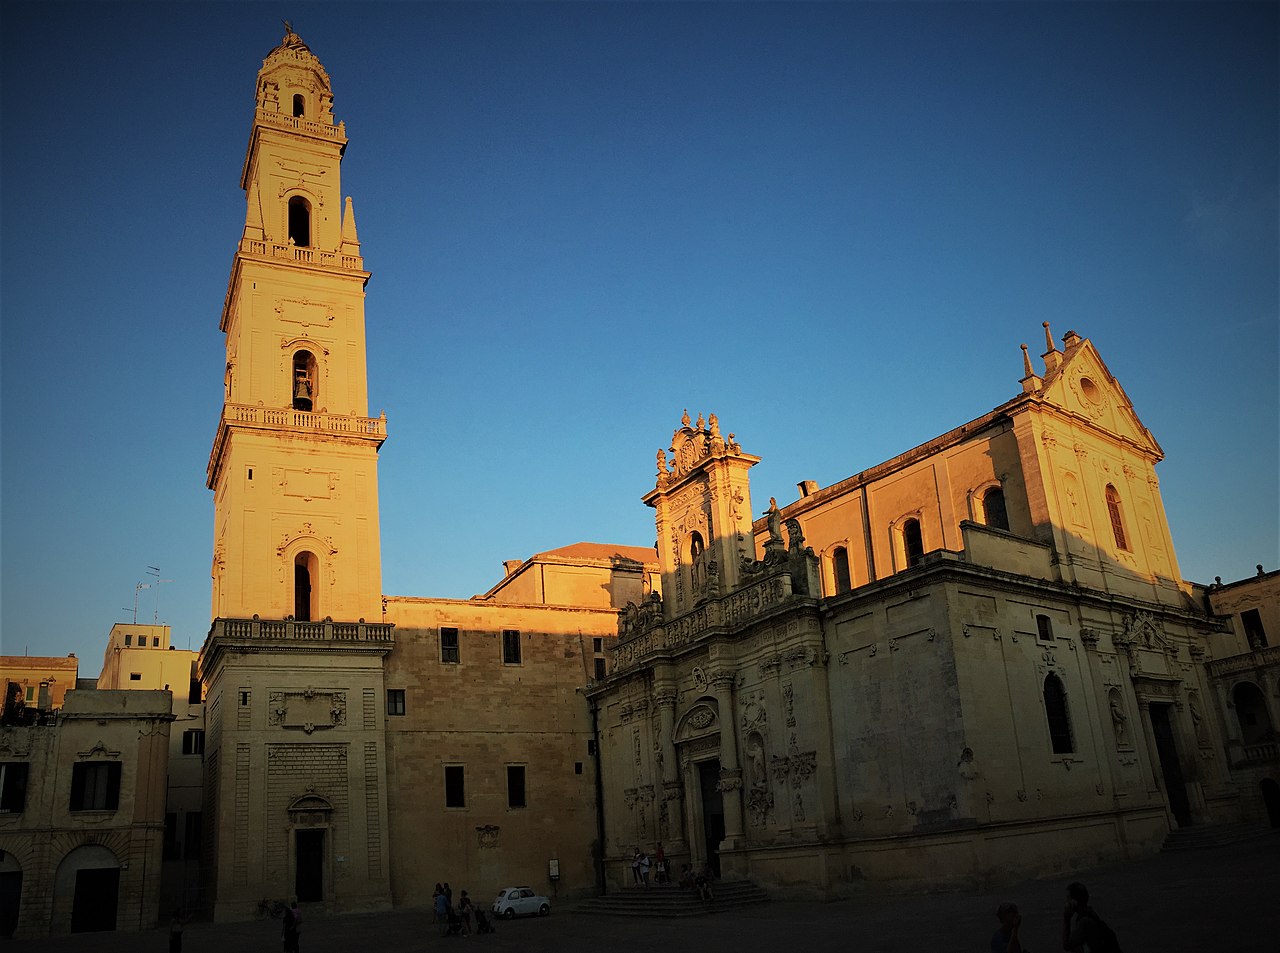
x,y
303,386
912,543
993,511
305,588
300,221
299,105
1117,522
1055,709
840,569
1251,712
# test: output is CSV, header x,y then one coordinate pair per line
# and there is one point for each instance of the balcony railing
x,y
309,256
289,630
1257,659
324,130
287,417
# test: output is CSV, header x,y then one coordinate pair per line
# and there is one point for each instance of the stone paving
x,y
1210,899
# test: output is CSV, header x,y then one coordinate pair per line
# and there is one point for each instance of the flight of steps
x,y
1218,835
672,901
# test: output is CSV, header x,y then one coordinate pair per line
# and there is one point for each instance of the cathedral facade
x,y
977,656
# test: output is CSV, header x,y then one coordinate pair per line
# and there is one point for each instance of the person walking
x,y
1006,939
1083,931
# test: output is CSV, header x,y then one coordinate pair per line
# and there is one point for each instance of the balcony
x,y
307,256
1256,661
323,130
288,420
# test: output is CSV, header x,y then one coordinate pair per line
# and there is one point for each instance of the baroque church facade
x,y
977,656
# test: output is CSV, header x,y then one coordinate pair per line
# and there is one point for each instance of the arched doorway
x,y
309,819
90,874
697,738
10,894
1271,798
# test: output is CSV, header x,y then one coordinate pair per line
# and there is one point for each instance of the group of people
x,y
461,920
1083,931
642,864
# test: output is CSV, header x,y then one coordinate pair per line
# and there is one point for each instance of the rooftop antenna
x,y
154,573
136,589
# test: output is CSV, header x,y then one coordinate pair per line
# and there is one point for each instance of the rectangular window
x,y
1253,630
244,698
600,672
171,851
193,836
591,747
454,792
13,786
597,645
31,693
95,786
515,785
395,701
510,647
449,645
577,767
155,641
135,676
1044,628
128,640
193,689
193,741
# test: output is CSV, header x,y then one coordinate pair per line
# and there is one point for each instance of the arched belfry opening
x,y
303,386
305,587
299,106
300,222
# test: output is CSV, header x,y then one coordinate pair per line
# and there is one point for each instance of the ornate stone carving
x,y
730,780
487,836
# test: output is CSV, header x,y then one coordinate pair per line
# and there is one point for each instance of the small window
x,y
95,786
135,676
395,701
244,699
449,646
591,747
1044,628
171,851
31,693
155,641
251,473
993,509
193,836
510,647
194,688
193,741
128,640
1117,519
597,645
299,106
13,786
600,669
840,569
515,785
1253,630
912,542
577,767
454,791
1055,708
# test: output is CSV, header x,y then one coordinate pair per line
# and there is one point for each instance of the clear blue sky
x,y
830,224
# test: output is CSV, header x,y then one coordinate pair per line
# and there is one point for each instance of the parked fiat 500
x,y
519,902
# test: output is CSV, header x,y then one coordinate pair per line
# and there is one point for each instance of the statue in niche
x,y
1197,720
1119,720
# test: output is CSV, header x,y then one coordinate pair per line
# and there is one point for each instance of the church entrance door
x,y
712,811
1167,750
309,876
94,906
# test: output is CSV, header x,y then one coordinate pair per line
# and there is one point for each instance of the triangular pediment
x,y
1083,386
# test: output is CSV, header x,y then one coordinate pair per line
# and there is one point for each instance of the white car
x,y
519,902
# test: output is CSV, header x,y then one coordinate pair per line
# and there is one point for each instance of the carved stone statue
x,y
662,462
1119,721
775,521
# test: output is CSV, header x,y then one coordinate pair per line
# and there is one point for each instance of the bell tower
x,y
294,462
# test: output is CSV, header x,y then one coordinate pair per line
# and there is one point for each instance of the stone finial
x,y
1260,572
714,422
702,424
1048,338
1052,356
684,419
1026,363
662,462
349,236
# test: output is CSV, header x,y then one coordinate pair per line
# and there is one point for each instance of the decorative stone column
x,y
1153,753
671,814
730,784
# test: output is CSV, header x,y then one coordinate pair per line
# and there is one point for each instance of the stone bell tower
x,y
703,504
295,778
294,461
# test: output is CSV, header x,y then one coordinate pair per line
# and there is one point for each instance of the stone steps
x,y
668,900
1217,835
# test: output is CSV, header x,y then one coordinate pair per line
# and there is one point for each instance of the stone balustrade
x,y
308,256
288,418
290,630
1257,659
324,130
